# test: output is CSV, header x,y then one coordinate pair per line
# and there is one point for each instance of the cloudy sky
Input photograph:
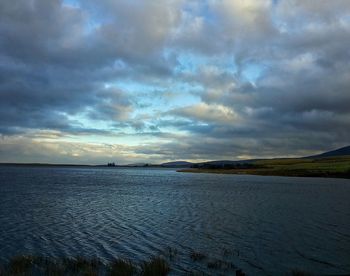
x,y
95,81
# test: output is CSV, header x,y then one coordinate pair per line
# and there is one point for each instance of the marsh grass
x,y
82,266
219,264
31,265
239,272
121,267
214,264
297,272
171,253
197,256
21,265
156,266
47,266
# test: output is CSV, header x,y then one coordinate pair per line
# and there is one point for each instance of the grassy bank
x,y
31,265
157,266
337,167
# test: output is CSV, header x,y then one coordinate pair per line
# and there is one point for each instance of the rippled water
x,y
263,225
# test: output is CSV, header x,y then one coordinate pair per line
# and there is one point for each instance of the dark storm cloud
x,y
53,64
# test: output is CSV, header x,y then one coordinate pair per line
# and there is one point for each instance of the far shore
x,y
328,167
264,173
338,167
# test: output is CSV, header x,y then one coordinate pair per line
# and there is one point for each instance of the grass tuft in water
x,y
121,267
219,264
297,272
171,253
214,264
47,266
82,265
239,272
157,266
20,265
197,256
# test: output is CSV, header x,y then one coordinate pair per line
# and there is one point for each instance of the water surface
x,y
263,225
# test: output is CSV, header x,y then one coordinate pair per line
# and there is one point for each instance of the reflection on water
x,y
264,225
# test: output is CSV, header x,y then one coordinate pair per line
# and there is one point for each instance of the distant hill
x,y
177,164
137,165
227,164
338,152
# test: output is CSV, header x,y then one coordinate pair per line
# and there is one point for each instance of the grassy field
x,y
326,167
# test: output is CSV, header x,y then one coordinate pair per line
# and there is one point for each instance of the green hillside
x,y
318,167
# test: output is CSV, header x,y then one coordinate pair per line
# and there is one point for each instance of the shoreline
x,y
258,172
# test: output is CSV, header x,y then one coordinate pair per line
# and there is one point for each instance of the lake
x,y
263,225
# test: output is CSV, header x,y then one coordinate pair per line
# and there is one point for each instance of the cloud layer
x,y
129,81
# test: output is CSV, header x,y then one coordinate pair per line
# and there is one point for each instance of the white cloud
x,y
217,114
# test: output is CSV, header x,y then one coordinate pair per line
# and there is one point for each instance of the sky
x,y
125,81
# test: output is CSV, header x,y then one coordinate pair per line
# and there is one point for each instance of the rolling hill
x,y
333,153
